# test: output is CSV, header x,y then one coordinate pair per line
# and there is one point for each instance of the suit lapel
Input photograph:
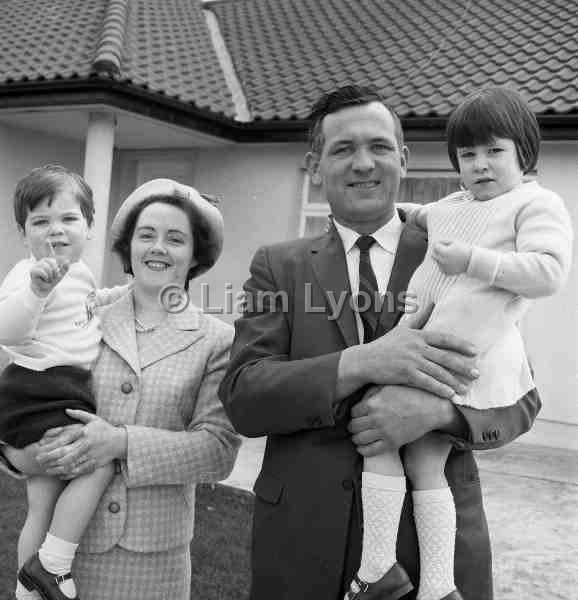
x,y
330,269
118,331
410,253
179,331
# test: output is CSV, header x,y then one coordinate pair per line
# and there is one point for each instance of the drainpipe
x,y
98,158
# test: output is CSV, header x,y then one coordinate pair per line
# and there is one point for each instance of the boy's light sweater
x,y
61,329
521,249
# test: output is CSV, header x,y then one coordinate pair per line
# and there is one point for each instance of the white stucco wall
x,y
20,151
260,191
551,327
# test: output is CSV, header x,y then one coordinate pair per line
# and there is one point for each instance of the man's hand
x,y
390,416
452,258
438,363
420,219
434,362
47,273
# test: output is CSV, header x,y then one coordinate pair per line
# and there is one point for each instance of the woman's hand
x,y
70,451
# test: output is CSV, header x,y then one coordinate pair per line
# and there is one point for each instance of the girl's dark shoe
x,y
33,576
392,586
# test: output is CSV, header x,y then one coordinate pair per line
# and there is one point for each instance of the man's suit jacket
x,y
164,390
281,383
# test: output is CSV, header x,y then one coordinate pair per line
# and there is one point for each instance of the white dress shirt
x,y
381,255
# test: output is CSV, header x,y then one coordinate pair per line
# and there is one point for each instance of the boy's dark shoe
x,y
33,576
392,586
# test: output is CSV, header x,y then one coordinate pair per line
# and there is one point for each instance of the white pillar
x,y
98,158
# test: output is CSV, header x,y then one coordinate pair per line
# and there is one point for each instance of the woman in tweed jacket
x,y
159,417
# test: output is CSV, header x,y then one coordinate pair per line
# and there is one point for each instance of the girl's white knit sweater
x,y
521,249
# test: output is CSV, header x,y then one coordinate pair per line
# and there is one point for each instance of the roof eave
x,y
109,92
141,100
552,127
416,129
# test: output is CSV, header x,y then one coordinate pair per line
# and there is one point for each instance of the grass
x,y
220,549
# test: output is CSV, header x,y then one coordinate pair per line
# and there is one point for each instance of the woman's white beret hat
x,y
210,214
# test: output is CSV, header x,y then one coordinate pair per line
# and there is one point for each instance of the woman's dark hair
x,y
44,183
199,227
494,112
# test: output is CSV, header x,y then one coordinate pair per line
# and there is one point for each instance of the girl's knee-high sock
x,y
435,520
382,504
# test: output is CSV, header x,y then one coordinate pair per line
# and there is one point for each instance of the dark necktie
x,y
367,288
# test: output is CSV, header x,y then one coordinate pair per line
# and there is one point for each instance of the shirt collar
x,y
387,236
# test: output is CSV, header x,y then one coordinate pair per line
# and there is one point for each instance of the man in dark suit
x,y
300,374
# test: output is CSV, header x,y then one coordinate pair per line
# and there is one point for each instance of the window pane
x,y
427,189
315,225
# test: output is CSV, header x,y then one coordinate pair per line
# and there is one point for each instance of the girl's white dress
x,y
521,249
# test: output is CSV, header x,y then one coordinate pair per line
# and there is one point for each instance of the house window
x,y
314,210
429,188
420,187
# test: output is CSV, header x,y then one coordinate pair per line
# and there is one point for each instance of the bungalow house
x,y
216,94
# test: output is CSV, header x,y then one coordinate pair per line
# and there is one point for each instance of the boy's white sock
x,y
435,521
382,503
22,593
56,556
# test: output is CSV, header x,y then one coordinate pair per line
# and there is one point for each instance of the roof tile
x,y
164,39
425,56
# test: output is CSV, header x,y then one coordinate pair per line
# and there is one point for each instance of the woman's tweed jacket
x,y
165,391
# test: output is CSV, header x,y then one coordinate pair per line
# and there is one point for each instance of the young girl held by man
x,y
493,247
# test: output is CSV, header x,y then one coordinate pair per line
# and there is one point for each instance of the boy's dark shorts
x,y
31,402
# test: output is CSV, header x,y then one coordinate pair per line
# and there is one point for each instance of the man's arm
x,y
428,360
495,427
264,392
392,416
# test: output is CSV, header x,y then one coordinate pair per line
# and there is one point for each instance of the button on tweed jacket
x,y
165,391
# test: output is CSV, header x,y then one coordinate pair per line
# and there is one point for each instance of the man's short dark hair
x,y
44,183
494,112
345,97
200,229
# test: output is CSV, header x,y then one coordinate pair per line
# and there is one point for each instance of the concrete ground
x,y
531,500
